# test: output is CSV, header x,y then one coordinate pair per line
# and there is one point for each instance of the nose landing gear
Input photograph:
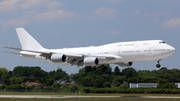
x,y
158,65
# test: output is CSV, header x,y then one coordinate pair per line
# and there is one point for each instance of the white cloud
x,y
156,14
114,0
104,13
7,5
15,22
112,32
155,20
175,22
55,4
56,14
137,12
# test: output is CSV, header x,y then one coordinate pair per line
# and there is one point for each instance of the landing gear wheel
x,y
158,65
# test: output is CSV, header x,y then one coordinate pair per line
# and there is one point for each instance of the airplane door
x,y
119,53
137,44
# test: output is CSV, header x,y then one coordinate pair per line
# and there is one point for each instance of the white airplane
x,y
120,53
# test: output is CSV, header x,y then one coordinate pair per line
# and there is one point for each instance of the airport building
x,y
137,85
178,85
37,85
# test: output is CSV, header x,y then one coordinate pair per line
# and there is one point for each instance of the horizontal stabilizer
x,y
12,52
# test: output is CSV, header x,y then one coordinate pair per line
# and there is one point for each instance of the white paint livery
x,y
121,53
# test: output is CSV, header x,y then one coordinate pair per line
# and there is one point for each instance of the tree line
x,y
95,81
98,79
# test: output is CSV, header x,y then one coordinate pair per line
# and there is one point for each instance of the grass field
x,y
85,94
92,99
87,99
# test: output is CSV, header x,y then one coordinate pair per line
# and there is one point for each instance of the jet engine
x,y
58,58
125,64
91,61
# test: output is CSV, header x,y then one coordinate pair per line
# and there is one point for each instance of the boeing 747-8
x,y
120,53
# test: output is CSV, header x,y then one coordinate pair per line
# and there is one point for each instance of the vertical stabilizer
x,y
27,41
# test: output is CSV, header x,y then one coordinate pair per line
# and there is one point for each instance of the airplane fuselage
x,y
123,52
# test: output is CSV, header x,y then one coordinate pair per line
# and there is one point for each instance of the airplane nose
x,y
172,49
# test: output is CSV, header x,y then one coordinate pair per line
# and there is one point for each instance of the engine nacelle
x,y
125,64
91,61
58,58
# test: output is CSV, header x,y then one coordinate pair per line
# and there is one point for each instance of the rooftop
x,y
32,83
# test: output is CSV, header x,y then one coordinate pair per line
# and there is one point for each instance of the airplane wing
x,y
27,50
73,59
78,60
19,53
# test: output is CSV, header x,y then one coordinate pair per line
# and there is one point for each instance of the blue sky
x,y
79,23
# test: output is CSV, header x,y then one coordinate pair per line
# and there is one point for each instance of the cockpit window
x,y
162,42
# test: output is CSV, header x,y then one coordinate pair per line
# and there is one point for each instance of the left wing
x,y
73,59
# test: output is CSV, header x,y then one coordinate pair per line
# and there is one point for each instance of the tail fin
x,y
27,41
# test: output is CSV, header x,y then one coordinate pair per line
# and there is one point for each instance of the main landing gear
x,y
158,65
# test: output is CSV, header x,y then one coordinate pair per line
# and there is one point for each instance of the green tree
x,y
56,85
132,70
14,87
129,74
3,70
123,86
3,86
59,74
64,87
16,80
65,78
87,81
48,88
49,81
21,71
117,84
98,82
117,70
73,87
37,81
118,79
132,80
106,84
162,84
